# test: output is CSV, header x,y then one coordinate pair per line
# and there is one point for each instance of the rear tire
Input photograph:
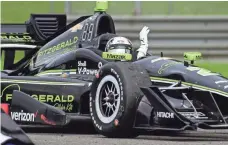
x,y
114,98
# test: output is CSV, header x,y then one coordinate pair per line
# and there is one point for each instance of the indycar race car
x,y
66,75
11,133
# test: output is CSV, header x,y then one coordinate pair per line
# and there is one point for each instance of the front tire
x,y
114,98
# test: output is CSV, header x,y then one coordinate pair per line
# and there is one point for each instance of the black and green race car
x,y
66,76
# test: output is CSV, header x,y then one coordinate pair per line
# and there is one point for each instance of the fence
x,y
174,35
149,7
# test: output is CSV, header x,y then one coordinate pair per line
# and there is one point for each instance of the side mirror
x,y
192,56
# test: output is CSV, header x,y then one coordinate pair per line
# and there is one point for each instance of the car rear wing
x,y
34,31
28,37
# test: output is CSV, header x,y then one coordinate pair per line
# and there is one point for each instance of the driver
x,y
124,45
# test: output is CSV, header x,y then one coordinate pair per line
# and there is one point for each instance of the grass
x,y
215,67
19,11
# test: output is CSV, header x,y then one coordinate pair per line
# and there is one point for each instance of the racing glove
x,y
144,42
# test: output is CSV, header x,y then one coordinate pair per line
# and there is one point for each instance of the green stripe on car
x,y
190,84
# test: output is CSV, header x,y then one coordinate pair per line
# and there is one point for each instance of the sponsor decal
x,y
48,98
192,115
16,37
120,82
83,70
42,117
115,56
99,65
166,66
80,63
91,113
201,71
159,59
22,116
76,28
165,115
63,102
5,107
64,45
7,87
220,82
54,98
66,107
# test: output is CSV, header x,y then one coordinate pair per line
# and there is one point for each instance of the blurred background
x,y
176,26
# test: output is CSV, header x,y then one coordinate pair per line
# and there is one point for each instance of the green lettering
x,y
50,50
57,98
42,53
49,98
67,43
70,98
71,42
64,98
42,98
27,37
35,97
12,37
58,47
62,45
4,37
8,97
45,51
108,55
75,39
54,49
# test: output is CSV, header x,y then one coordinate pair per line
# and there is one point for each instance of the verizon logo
x,y
22,116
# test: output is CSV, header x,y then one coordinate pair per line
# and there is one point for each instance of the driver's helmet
x,y
119,45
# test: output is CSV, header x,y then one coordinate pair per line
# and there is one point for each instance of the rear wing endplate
x,y
34,31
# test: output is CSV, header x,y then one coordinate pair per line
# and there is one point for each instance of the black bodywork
x,y
11,133
60,69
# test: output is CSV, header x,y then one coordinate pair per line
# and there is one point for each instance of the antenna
x,y
101,6
162,54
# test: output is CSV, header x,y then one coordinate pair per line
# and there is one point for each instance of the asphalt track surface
x,y
84,135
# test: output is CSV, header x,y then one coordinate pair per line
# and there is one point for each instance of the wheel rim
x,y
107,99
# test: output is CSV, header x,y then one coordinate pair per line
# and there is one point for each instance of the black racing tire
x,y
116,89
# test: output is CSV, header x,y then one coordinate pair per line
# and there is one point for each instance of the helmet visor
x,y
120,48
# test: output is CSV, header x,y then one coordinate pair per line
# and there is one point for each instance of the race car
x,y
11,133
67,75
